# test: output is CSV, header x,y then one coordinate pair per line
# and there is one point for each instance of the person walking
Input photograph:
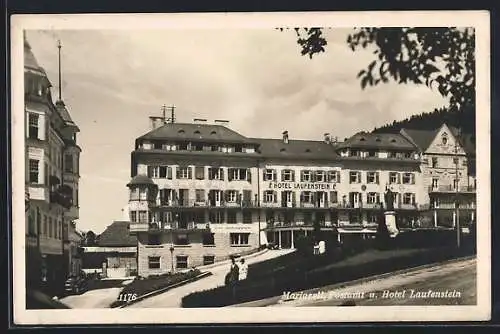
x,y
243,270
233,274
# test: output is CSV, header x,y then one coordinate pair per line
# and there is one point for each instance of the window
x,y
239,174
231,217
408,178
31,224
216,217
200,195
455,161
154,239
269,175
215,174
435,183
320,176
307,218
143,216
45,225
214,148
231,196
199,217
434,162
208,239
373,198
372,177
33,126
444,140
46,174
154,262
181,261
143,194
333,197
238,148
237,239
287,175
181,239
133,216
354,177
306,197
68,163
393,178
34,170
455,183
408,198
372,153
199,172
334,176
269,216
184,172
305,176
198,147
270,196
247,217
372,218
208,259
165,172
50,228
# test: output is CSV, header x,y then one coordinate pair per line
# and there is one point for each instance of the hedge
x,y
142,286
296,275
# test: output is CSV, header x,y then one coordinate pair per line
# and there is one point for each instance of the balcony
x,y
451,189
167,226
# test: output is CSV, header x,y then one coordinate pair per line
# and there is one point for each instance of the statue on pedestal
x,y
389,199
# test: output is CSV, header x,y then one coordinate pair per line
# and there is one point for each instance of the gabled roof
x,y
117,235
196,132
377,140
296,149
421,138
424,138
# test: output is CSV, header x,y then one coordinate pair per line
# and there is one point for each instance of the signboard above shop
x,y
302,185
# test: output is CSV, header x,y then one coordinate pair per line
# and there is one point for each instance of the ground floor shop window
x,y
237,239
181,239
208,259
154,262
208,239
181,261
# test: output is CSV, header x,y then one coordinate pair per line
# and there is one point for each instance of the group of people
x,y
237,272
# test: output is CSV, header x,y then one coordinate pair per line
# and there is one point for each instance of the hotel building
x,y
200,192
51,180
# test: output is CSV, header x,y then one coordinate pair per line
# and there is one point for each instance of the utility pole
x,y
457,202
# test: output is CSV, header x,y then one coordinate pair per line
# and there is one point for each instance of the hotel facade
x,y
51,182
201,192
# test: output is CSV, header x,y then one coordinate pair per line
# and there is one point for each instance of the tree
x,y
90,238
437,57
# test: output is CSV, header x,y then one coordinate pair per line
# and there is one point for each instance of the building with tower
x,y
52,178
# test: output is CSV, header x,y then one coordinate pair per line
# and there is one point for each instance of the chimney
x,y
156,122
221,121
199,120
327,138
285,137
335,140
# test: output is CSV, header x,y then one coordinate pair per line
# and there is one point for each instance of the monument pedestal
x,y
390,222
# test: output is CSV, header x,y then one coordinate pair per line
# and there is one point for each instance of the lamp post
x,y
172,257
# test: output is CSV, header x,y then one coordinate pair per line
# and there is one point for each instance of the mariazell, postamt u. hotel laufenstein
x,y
201,192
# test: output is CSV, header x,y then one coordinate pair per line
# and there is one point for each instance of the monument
x,y
389,213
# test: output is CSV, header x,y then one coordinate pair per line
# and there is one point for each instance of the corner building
x,y
200,192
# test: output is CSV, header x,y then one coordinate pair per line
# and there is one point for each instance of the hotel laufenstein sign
x,y
302,185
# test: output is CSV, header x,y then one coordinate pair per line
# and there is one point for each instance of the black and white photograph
x,y
200,168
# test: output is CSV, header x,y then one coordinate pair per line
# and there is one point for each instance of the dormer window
x,y
444,140
181,131
282,150
377,139
213,133
308,150
362,139
393,140
197,132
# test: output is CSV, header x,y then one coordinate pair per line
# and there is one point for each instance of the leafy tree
x,y
437,57
90,238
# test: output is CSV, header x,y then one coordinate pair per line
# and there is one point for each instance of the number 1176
x,y
126,297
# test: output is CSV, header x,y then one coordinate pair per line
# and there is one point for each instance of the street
x,y
173,298
449,284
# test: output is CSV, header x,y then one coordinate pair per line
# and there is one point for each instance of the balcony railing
x,y
451,189
166,226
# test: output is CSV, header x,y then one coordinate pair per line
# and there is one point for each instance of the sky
x,y
255,78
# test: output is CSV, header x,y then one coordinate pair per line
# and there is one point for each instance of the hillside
x,y
466,120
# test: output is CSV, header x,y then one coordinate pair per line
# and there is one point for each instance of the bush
x,y
142,286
